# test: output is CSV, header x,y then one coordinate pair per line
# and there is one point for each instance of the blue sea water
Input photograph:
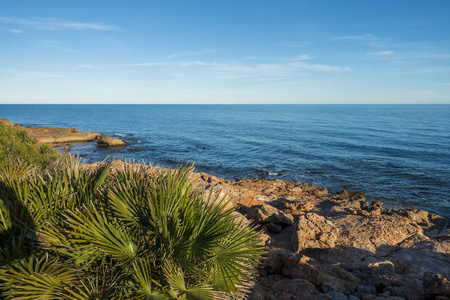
x,y
399,154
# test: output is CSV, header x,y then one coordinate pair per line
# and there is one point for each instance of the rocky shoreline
x,y
321,245
57,136
334,246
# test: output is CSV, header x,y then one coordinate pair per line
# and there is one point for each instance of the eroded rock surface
x,y
345,247
335,246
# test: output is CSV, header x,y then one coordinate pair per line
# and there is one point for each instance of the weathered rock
x,y
57,136
366,289
374,233
314,231
328,287
438,285
107,141
296,287
275,228
336,295
268,214
275,262
300,266
6,122
444,235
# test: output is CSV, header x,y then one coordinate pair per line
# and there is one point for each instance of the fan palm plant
x,y
93,235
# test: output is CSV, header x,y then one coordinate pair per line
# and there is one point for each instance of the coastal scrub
x,y
79,233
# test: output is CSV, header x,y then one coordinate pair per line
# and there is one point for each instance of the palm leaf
x,y
37,278
92,227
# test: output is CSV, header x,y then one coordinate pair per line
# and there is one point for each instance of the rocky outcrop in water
x,y
107,141
60,136
65,136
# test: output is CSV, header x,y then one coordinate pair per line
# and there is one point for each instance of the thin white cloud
x,y
432,69
364,37
293,44
424,93
367,39
236,70
55,24
382,53
53,45
192,53
302,57
15,30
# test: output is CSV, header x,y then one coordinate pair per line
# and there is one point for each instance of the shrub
x,y
84,234
18,148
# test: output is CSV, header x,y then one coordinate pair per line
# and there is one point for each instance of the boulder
x,y
314,231
107,141
268,214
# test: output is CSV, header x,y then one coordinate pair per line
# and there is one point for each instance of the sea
x,y
396,154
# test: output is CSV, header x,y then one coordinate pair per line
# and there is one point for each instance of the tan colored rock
x,y
247,199
6,122
55,135
372,232
267,213
107,141
300,266
314,232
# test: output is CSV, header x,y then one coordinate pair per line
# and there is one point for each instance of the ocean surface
x,y
397,154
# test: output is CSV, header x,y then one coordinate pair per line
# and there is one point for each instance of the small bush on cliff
x,y
18,148
83,234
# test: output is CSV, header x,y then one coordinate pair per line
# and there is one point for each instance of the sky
x,y
225,52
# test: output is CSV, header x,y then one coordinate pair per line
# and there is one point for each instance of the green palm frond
x,y
234,259
146,287
128,202
180,289
37,279
91,227
105,284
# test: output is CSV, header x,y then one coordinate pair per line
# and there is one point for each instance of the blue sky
x,y
252,52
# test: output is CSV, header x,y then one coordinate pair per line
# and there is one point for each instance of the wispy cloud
x,y
15,30
20,75
235,70
55,24
302,57
53,45
368,39
293,44
192,53
382,53
364,37
424,93
431,69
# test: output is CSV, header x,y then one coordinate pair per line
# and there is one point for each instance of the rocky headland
x,y
57,136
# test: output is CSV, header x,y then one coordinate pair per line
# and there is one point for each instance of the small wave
x,y
266,173
121,134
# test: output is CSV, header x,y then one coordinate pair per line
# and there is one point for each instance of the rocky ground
x,y
338,246
334,246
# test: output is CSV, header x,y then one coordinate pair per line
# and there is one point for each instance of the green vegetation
x,y
17,147
131,234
